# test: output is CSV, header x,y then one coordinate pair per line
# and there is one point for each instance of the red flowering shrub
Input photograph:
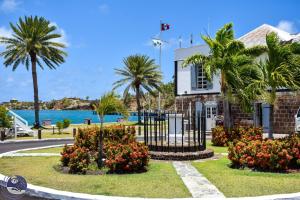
x,y
277,154
65,154
88,138
122,152
131,157
79,161
220,137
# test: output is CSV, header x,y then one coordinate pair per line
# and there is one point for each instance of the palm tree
x,y
33,41
108,104
139,72
281,69
231,59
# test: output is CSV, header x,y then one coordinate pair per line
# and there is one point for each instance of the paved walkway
x,y
196,183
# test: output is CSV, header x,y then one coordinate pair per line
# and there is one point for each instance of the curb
x,y
43,192
36,140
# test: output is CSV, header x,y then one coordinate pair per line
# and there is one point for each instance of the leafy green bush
x,y
66,123
5,118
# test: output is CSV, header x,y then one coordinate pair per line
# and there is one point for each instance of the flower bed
x,y
122,152
268,154
221,137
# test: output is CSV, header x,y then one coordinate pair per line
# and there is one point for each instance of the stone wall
x,y
286,106
285,109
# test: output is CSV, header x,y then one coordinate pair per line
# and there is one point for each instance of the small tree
x,y
59,125
108,104
66,123
5,118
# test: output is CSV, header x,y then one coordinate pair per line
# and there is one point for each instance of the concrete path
x,y
196,183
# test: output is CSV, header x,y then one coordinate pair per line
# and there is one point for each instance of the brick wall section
x,y
286,106
285,109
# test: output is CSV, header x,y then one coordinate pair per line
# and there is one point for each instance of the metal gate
x,y
175,132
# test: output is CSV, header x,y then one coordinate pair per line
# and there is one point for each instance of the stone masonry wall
x,y
286,106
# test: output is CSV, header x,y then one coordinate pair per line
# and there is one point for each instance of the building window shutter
x,y
209,84
194,77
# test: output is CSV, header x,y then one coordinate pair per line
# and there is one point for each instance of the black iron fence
x,y
175,132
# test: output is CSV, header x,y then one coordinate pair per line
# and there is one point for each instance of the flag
x,y
164,27
156,42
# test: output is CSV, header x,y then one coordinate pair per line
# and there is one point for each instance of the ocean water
x,y
76,116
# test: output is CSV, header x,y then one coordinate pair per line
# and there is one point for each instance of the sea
x,y
75,116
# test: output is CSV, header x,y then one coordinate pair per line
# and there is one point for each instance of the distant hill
x,y
62,104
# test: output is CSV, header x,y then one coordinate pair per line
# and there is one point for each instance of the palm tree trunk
x,y
227,113
100,156
271,128
35,91
137,96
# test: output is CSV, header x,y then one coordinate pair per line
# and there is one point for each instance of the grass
x,y
215,148
239,183
160,181
46,150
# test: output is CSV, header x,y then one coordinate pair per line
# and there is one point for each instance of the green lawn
x,y
215,148
46,150
160,181
239,183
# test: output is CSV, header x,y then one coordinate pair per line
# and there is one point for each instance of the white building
x,y
191,84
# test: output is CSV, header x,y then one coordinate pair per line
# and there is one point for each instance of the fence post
x,y
182,131
39,134
2,135
175,133
74,132
203,126
168,131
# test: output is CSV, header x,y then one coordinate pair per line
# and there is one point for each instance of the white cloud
x,y
5,32
287,26
104,9
63,39
9,5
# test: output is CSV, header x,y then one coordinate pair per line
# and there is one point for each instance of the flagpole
x,y
159,60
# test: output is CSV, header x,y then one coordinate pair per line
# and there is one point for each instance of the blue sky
x,y
99,34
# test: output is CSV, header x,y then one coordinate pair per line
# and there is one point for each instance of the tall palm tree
x,y
139,72
281,69
233,61
33,41
108,104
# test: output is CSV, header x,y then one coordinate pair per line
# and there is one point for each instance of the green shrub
x,y
66,123
220,137
122,152
79,161
59,125
277,154
122,158
66,153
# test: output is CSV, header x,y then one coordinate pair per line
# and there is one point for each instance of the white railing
x,y
18,117
19,122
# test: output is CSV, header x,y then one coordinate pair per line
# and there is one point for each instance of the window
x,y
198,78
201,81
208,114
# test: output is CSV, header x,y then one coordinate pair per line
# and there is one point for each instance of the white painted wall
x,y
184,85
